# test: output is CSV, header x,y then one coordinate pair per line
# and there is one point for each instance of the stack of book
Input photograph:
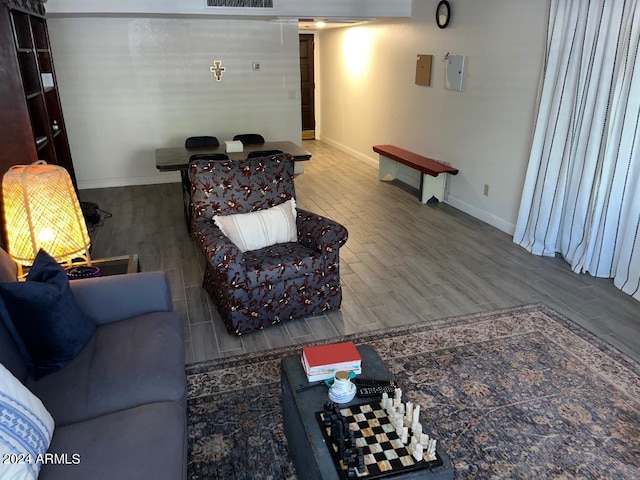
x,y
323,361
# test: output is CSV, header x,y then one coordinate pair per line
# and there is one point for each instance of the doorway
x,y
307,86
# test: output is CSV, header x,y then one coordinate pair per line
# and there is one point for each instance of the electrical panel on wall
x,y
454,72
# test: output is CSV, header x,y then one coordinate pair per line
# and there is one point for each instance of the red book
x,y
333,354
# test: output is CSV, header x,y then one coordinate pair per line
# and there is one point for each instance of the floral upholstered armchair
x,y
252,284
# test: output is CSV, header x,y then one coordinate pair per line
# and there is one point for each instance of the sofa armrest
x,y
219,251
320,233
116,297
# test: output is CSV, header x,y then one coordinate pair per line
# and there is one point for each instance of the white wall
x,y
131,85
369,97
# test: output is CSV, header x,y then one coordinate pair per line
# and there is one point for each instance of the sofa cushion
x,y
9,355
42,315
148,441
26,428
280,262
256,230
126,363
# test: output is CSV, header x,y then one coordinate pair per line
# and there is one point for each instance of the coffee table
x,y
309,452
117,265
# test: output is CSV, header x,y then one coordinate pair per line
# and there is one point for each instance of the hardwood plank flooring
x,y
404,262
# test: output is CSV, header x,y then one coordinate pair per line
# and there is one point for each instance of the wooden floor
x,y
404,262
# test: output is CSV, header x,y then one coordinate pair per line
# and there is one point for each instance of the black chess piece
x,y
351,468
328,406
337,431
360,461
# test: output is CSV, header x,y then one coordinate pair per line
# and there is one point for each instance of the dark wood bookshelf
x,y
32,126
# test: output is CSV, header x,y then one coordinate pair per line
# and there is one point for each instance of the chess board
x,y
384,453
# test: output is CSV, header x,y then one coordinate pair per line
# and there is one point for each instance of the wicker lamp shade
x,y
42,210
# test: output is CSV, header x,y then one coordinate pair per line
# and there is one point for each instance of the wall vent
x,y
241,3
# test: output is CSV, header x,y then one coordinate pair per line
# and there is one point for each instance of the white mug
x,y
341,383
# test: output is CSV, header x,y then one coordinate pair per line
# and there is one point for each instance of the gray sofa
x,y
121,403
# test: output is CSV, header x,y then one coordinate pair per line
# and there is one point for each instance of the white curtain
x,y
581,196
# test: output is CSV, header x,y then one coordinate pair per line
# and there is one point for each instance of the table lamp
x,y
42,210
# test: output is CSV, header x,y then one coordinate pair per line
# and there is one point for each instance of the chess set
x,y
377,439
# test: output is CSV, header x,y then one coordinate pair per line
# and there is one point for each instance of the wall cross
x,y
217,69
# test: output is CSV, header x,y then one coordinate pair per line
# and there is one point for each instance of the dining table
x,y
177,158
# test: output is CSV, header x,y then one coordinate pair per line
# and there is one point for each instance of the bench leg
x,y
387,169
432,187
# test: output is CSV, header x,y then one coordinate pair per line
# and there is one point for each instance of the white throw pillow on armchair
x,y
255,230
26,428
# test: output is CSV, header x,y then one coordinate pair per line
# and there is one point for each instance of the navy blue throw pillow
x,y
43,317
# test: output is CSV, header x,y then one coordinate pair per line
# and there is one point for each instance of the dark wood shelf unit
x,y
40,33
29,98
31,116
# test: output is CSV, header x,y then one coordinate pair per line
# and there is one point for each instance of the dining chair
x,y
263,153
201,142
249,138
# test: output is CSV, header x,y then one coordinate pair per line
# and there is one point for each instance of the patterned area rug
x,y
514,393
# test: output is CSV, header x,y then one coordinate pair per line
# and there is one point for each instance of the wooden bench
x,y
431,181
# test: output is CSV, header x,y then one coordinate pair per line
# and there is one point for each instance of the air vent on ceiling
x,y
241,3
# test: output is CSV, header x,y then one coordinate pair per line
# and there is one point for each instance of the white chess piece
x,y
417,452
431,449
397,398
397,423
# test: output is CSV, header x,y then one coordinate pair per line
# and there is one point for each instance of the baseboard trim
x,y
166,177
174,177
354,153
486,217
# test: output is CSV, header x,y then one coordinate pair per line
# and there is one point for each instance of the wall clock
x,y
443,14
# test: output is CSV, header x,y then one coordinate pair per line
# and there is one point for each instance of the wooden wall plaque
x,y
423,70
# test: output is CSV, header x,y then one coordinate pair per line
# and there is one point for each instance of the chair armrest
x,y
219,251
320,233
116,297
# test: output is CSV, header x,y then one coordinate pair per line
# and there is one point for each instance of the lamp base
x,y
82,271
